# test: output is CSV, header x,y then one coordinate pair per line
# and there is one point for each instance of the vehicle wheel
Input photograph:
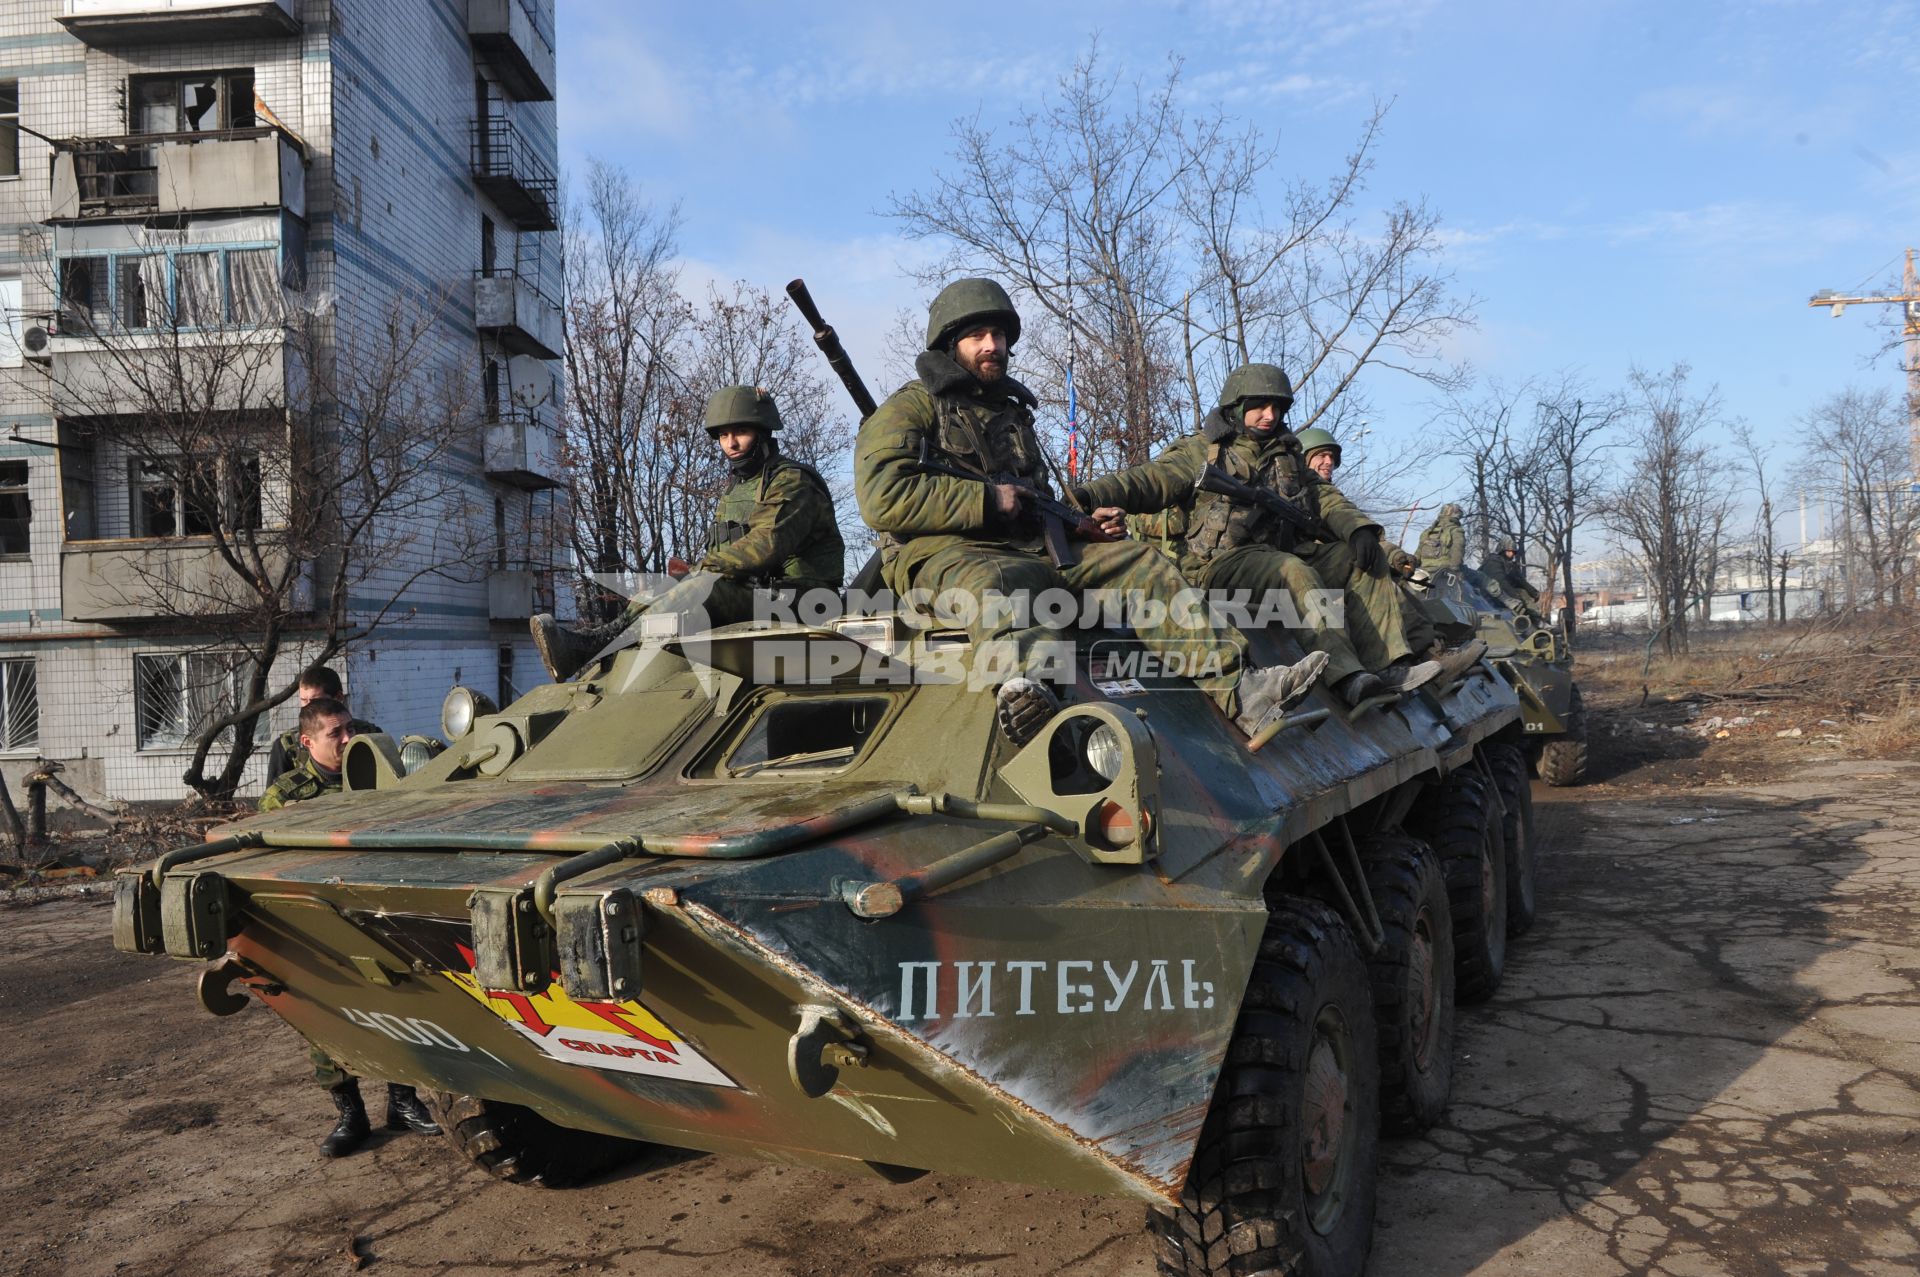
x,y
1283,1178
1509,768
516,1144
1412,982
1563,759
1462,833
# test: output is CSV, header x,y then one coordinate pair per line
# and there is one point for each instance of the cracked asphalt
x,y
1705,1060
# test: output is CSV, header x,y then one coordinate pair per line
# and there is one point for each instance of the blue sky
x,y
1620,182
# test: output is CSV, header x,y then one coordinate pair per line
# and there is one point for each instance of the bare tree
x,y
1477,424
1757,456
1670,507
290,477
1862,445
1570,430
1134,235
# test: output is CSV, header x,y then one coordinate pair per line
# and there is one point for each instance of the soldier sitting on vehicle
x,y
1506,572
1226,544
315,681
976,525
325,728
773,528
1323,458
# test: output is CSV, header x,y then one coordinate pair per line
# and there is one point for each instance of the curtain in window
x,y
197,279
254,273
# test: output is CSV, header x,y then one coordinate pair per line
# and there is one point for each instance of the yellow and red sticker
x,y
622,1036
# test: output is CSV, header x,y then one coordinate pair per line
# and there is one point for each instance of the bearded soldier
x,y
774,528
1229,545
974,528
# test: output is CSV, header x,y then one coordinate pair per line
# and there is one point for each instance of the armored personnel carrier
x,y
787,891
1535,658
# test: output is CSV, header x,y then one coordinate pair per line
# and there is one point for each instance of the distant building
x,y
207,153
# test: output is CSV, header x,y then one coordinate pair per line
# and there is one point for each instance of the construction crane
x,y
1908,299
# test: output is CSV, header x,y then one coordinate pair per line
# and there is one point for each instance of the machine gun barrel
x,y
829,343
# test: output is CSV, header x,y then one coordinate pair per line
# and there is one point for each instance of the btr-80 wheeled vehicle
x,y
788,891
1535,658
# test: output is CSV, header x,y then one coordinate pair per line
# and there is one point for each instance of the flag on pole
x,y
1073,429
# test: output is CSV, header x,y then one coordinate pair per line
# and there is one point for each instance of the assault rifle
x,y
1215,480
1060,524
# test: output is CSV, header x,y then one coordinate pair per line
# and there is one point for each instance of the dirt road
x,y
1705,1059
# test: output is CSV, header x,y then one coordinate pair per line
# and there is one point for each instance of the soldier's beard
x,y
984,370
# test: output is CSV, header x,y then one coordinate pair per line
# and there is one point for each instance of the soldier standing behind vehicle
x,y
774,527
1228,545
1443,547
315,681
325,728
977,531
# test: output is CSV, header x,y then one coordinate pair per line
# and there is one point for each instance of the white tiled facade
x,y
383,95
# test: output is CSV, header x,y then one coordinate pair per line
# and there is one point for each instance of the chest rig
x,y
1215,524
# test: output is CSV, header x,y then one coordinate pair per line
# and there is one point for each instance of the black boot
x,y
350,1132
405,1112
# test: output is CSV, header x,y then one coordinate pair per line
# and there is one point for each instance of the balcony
x,y
109,23
517,52
228,170
521,451
509,171
151,578
513,312
139,375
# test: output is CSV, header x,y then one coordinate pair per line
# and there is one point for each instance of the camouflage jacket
x,y
1509,574
984,430
303,782
1201,525
1444,545
288,753
776,526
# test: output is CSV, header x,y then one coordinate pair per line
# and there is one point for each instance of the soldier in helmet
x,y
1507,571
774,528
1443,547
1225,545
325,727
1323,458
980,536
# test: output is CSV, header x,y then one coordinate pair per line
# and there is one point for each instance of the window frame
x,y
226,77
182,731
25,490
113,304
9,693
239,477
10,120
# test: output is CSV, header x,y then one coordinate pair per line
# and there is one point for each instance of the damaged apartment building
x,y
280,285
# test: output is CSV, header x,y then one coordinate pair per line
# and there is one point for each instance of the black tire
x,y
1412,982
1509,767
1462,832
515,1144
1267,1190
1563,759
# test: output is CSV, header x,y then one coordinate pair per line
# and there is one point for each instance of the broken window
x,y
84,294
176,695
201,102
191,496
16,509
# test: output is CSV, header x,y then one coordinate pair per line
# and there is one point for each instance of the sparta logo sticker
x,y
622,1036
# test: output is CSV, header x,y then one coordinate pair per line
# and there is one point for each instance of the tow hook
x,y
214,987
820,1049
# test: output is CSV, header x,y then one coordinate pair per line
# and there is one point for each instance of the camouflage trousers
x,y
326,1071
1376,615
1124,566
1259,569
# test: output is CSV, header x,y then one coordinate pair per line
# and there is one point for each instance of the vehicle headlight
x,y
1105,752
458,712
415,753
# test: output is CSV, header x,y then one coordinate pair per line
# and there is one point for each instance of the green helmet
x,y
1313,439
967,303
741,406
1256,381
1504,546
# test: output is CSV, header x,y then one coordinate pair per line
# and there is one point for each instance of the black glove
x,y
1367,555
1081,498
